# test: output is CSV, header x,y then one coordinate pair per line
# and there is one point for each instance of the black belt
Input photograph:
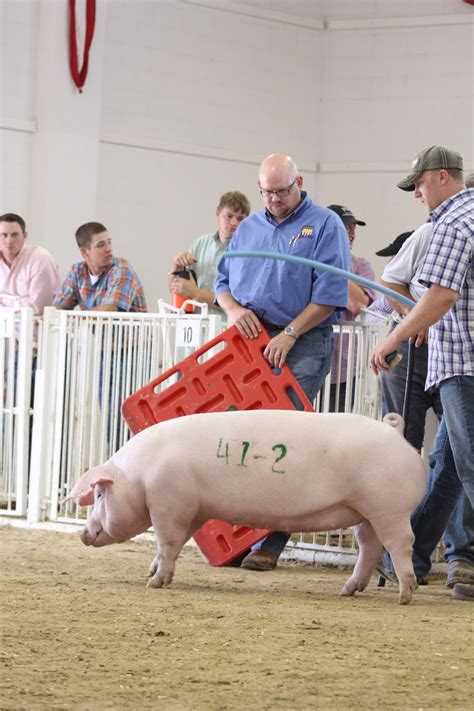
x,y
267,324
272,325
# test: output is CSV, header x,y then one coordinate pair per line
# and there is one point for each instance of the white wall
x,y
205,95
186,100
18,51
387,94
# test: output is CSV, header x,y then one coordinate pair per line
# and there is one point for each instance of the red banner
x,y
79,75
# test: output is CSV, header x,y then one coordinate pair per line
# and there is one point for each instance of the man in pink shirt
x,y
27,272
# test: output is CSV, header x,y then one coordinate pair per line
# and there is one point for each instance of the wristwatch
x,y
290,331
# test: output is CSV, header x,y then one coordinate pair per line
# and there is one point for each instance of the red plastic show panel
x,y
235,376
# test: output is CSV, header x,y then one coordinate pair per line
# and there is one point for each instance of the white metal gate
x,y
17,351
89,363
84,365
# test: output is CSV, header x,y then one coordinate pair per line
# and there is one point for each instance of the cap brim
x,y
408,183
352,221
387,252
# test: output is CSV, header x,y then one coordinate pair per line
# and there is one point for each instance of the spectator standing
x,y
206,251
359,297
401,274
296,304
447,307
27,272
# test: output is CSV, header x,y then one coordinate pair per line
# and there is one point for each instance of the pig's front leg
x,y
370,552
170,538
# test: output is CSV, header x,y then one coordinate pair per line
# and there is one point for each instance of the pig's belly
x,y
338,516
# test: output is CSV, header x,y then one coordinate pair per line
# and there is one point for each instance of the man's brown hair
x,y
235,201
85,233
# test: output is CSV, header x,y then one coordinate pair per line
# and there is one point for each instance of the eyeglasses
x,y
277,193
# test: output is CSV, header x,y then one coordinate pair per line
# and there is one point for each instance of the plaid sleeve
x,y
447,259
124,289
66,298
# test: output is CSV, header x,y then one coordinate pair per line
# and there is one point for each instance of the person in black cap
x,y
394,247
446,307
359,296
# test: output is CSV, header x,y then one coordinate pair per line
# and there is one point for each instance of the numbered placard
x,y
188,332
6,323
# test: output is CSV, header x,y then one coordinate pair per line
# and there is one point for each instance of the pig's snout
x,y
96,538
86,537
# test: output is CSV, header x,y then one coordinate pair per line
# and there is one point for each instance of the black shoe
x,y
460,571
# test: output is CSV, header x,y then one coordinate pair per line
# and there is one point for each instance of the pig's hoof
x,y
404,598
153,568
349,589
160,580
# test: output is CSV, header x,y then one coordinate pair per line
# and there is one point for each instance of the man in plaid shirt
x,y
101,282
448,307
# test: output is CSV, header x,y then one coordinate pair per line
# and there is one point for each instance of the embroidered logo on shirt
x,y
306,231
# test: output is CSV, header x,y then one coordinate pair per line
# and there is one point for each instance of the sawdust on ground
x,y
81,631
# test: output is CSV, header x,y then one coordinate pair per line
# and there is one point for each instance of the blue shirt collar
x,y
305,201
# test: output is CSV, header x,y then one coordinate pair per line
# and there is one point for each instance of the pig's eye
x,y
99,494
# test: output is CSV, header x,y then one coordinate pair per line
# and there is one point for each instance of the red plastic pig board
x,y
227,373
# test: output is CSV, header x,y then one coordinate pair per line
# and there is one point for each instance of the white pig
x,y
274,469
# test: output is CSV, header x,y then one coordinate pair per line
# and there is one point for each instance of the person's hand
x,y
246,321
185,287
381,351
421,337
278,348
182,260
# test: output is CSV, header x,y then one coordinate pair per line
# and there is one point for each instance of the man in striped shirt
x,y
448,307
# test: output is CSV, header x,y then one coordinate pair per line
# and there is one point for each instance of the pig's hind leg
x,y
370,552
397,538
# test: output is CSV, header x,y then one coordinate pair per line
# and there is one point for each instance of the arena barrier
x,y
84,364
17,352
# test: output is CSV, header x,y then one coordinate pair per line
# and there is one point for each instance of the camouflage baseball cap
x,y
433,158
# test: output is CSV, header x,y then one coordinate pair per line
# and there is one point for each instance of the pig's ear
x,y
84,489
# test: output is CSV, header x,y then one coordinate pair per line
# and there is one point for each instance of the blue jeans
x,y
310,362
459,534
452,470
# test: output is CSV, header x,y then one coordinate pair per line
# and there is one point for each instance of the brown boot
x,y
260,560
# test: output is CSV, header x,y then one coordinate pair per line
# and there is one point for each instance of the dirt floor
x,y
81,631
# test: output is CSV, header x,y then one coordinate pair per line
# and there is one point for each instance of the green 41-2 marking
x,y
244,452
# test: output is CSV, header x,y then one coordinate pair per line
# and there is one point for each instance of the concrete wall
x,y
184,99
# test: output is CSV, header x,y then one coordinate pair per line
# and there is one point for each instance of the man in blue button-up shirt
x,y
294,302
